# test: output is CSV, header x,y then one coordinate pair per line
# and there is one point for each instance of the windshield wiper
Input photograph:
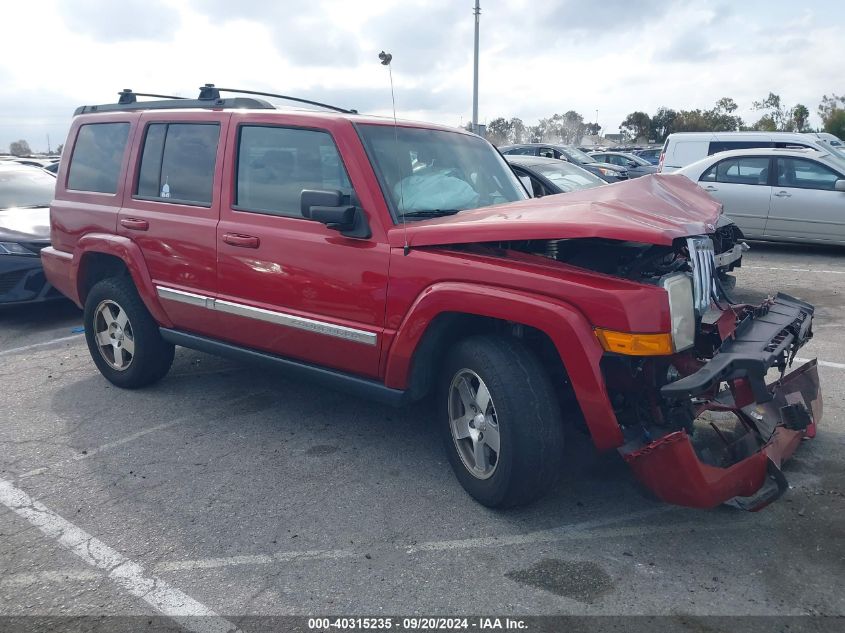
x,y
430,213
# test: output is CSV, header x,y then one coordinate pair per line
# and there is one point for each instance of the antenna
x,y
386,58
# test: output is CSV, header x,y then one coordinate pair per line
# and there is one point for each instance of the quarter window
x,y
805,174
97,156
177,164
740,171
275,164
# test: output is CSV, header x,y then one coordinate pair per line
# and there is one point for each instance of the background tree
x,y
835,123
721,117
829,104
800,114
662,124
592,129
59,149
19,148
517,131
498,131
775,114
636,126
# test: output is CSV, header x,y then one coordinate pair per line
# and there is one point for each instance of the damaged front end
x,y
702,426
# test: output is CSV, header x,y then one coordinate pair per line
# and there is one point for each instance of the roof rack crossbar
x,y
211,89
128,96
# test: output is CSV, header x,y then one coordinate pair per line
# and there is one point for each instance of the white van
x,y
683,148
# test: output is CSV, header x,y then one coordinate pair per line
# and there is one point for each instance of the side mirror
x,y
332,208
839,185
632,164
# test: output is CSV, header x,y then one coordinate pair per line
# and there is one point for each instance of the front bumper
x,y
741,434
22,280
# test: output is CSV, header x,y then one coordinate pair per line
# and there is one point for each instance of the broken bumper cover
x,y
769,421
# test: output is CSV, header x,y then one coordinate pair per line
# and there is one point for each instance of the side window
x,y
805,174
739,171
521,151
275,164
97,155
177,164
548,152
724,146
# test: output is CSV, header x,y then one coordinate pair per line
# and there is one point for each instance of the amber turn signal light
x,y
635,344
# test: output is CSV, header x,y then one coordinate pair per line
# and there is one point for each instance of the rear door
x,y
804,203
742,186
174,208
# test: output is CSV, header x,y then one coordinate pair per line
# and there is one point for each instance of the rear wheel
x,y
122,336
503,432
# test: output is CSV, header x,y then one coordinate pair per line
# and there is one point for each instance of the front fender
x,y
130,254
568,329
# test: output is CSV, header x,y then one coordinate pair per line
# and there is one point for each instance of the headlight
x,y
682,313
13,248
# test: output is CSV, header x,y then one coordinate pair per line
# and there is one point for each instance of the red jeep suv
x,y
397,260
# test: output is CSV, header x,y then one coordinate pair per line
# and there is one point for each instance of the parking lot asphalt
x,y
239,491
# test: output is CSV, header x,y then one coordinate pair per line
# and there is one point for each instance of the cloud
x,y
121,20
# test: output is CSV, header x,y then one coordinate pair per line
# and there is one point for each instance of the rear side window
x,y
97,156
805,174
177,163
724,146
275,164
739,171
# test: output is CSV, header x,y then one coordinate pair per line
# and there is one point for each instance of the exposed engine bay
x,y
701,424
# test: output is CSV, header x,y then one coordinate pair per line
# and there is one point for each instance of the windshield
x,y
568,177
425,171
577,155
25,188
637,159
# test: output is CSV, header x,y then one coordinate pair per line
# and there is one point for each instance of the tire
x,y
137,355
523,410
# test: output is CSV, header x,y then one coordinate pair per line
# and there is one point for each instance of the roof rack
x,y
209,97
210,91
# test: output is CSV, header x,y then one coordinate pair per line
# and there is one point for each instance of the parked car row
x,y
569,153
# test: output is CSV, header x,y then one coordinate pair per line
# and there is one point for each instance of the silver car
x,y
778,194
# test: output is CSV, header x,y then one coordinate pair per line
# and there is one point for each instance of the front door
x,y
288,285
805,205
174,208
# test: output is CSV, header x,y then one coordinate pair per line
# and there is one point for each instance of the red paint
x,y
654,210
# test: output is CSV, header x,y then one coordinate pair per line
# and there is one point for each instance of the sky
x,y
537,58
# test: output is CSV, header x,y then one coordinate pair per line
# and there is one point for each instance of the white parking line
x,y
26,348
586,531
42,577
822,363
795,270
126,573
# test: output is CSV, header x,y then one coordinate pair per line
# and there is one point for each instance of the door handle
x,y
710,188
244,241
783,194
135,224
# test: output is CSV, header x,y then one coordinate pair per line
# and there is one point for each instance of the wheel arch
x,y
99,256
450,310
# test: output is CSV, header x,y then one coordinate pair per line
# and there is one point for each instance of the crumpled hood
x,y
654,209
25,225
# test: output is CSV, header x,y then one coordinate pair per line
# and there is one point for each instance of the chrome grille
x,y
703,263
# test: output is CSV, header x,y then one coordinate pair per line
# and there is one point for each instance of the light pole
x,y
477,13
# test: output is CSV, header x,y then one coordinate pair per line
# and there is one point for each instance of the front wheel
x,y
503,432
122,336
